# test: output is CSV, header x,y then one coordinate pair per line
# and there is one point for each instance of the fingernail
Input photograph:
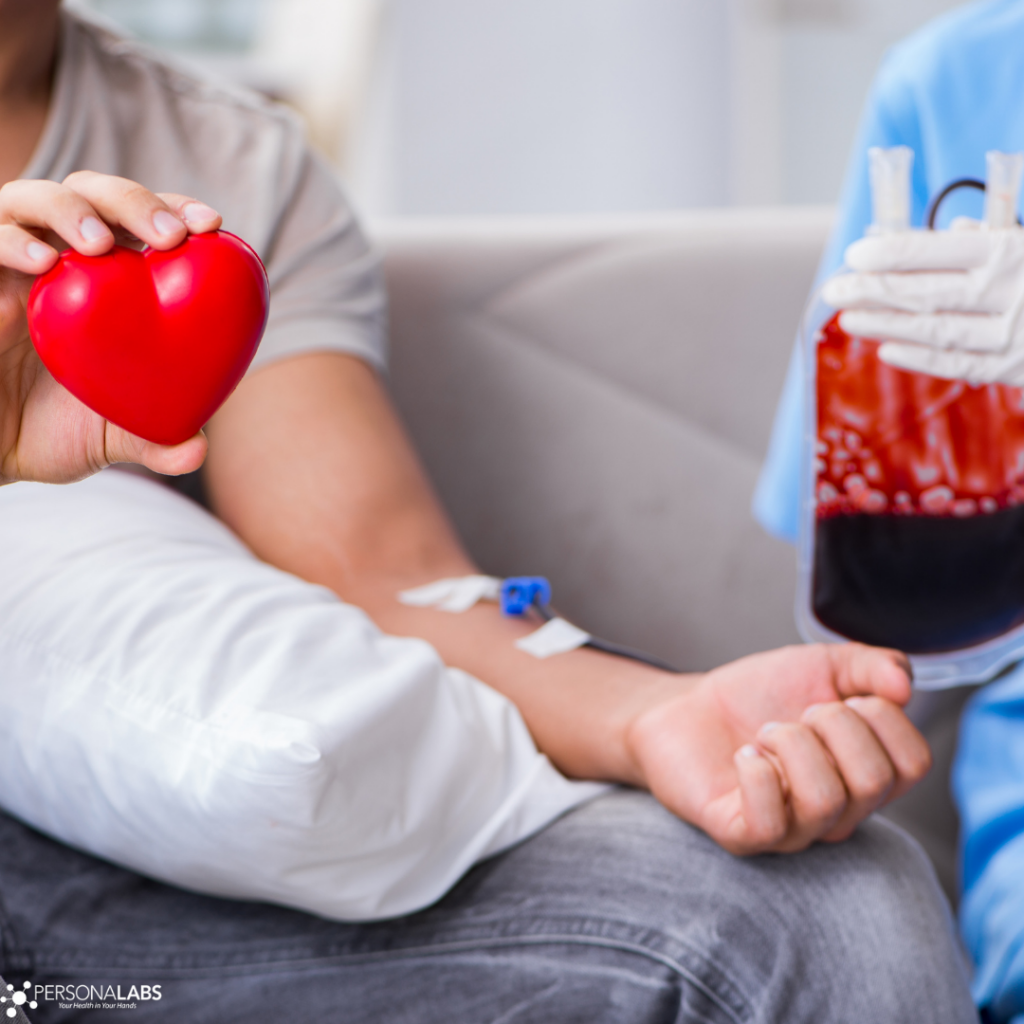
x,y
166,223
749,750
37,251
198,212
855,702
769,727
810,709
92,229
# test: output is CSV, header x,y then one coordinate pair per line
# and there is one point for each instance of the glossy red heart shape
x,y
152,341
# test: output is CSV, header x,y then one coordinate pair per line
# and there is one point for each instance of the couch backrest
x,y
593,399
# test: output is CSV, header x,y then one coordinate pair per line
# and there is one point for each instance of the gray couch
x,y
593,398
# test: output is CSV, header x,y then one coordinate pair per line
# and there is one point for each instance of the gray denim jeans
x,y
617,912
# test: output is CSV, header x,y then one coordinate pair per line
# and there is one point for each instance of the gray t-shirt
x,y
118,107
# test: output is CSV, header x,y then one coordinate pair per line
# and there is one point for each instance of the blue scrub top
x,y
951,92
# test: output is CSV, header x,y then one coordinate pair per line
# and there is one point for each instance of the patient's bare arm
x,y
310,466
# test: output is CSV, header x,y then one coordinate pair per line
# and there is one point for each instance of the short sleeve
x,y
326,284
122,108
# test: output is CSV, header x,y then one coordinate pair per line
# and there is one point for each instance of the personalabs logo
x,y
94,997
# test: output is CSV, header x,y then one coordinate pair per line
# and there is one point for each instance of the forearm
x,y
579,706
311,468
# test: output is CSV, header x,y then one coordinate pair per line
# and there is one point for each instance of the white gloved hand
x,y
947,303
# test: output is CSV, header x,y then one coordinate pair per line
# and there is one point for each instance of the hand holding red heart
x,y
45,432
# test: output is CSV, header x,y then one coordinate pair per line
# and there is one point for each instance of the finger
x,y
763,820
861,760
919,250
52,207
127,205
906,748
196,215
976,367
21,250
170,460
862,670
817,796
960,331
939,292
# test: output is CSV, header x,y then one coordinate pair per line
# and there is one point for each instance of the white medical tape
x,y
555,637
457,594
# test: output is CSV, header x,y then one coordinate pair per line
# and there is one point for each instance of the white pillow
x,y
171,703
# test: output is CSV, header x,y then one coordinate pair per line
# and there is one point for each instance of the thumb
x,y
171,460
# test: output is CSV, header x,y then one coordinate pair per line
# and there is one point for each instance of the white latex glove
x,y
948,303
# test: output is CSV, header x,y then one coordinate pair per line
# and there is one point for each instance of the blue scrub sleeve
x,y
988,783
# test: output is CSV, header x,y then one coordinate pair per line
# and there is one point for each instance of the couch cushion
x,y
593,400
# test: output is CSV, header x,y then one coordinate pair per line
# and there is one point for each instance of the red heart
x,y
152,341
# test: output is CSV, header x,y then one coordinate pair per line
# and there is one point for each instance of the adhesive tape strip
x,y
457,594
555,637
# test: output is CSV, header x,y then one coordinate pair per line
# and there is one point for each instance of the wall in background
x,y
539,106
516,106
440,107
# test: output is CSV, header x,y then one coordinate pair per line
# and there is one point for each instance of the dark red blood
x,y
922,584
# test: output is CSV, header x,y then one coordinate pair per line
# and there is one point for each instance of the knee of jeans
x,y
876,900
877,890
884,864
876,894
869,915
848,931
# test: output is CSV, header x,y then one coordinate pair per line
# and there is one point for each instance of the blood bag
x,y
912,526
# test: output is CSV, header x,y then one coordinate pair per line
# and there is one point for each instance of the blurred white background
x,y
441,107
